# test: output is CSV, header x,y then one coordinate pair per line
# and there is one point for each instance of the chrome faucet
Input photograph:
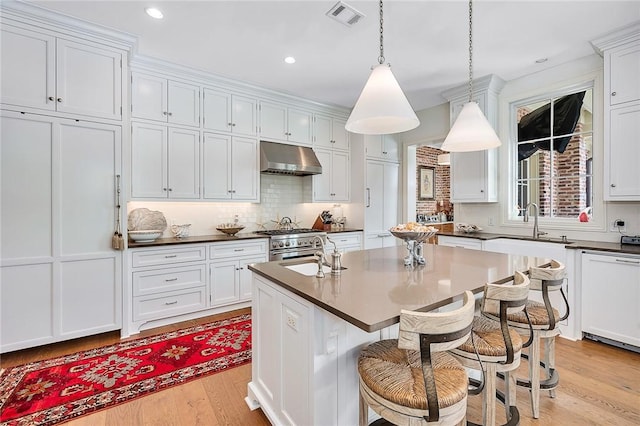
x,y
320,255
536,231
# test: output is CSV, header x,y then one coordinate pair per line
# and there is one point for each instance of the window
x,y
554,154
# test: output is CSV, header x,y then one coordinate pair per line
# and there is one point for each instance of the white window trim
x,y
509,167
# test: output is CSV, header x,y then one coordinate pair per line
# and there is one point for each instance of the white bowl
x,y
145,236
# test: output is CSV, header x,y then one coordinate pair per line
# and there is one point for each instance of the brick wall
x,y
427,156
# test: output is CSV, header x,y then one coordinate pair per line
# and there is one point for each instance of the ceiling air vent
x,y
344,14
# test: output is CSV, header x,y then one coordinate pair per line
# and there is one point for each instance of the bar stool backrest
x,y
516,293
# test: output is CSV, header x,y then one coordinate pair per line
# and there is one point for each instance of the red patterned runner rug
x,y
55,390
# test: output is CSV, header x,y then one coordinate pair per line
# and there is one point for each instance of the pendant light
x,y
471,131
382,107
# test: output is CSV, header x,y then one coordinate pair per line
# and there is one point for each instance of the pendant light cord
x,y
381,57
470,50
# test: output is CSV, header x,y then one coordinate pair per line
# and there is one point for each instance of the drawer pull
x,y
175,302
633,262
343,241
169,256
171,279
238,249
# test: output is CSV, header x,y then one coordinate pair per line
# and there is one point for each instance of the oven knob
x,y
287,244
280,244
300,243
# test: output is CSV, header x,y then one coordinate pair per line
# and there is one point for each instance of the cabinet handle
x,y
229,191
368,197
233,191
170,113
170,189
237,269
613,185
169,256
51,98
229,124
242,267
238,249
175,302
164,112
59,99
633,262
233,125
613,93
164,189
384,152
171,279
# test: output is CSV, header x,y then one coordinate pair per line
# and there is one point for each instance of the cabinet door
x,y
611,307
299,125
216,110
390,191
216,170
322,134
148,161
89,80
244,115
468,171
624,152
273,121
224,282
28,68
183,163
246,275
340,134
322,182
340,176
373,146
390,147
374,197
624,68
184,103
149,97
244,169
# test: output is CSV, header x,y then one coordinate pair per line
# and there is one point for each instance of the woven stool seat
x,y
537,314
488,339
396,375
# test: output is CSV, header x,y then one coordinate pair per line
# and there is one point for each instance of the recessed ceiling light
x,y
290,60
154,13
541,60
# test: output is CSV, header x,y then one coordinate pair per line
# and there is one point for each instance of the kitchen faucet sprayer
x,y
320,254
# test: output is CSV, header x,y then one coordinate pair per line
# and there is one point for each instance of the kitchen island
x,y
308,331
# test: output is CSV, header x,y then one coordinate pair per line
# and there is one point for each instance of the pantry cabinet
x,y
168,101
381,203
56,74
282,123
59,277
333,183
621,51
330,133
230,168
382,147
165,162
225,112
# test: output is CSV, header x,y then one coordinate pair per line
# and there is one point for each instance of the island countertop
x,y
376,285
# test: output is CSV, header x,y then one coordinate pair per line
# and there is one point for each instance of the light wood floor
x,y
599,385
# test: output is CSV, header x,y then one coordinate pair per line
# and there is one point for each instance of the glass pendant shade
x,y
382,107
470,132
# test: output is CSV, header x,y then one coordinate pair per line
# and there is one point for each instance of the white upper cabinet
x,y
281,123
382,147
165,162
329,132
225,112
159,99
333,183
474,175
621,51
55,74
230,168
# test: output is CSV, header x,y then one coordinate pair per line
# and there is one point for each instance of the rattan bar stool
x,y
495,345
544,320
412,380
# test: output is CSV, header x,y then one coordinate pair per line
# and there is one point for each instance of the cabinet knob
x,y
614,93
164,112
229,191
170,113
233,191
229,124
170,189
613,185
51,98
59,99
234,125
164,189
384,152
482,190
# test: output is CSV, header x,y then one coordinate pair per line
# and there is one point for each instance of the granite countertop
x,y
376,285
570,244
213,238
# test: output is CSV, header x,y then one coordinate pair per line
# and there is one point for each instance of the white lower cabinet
x,y
185,281
611,297
345,241
468,243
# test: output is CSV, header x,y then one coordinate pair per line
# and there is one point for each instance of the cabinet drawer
x,y
153,307
162,280
225,250
167,256
346,239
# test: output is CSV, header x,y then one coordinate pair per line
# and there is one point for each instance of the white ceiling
x,y
426,41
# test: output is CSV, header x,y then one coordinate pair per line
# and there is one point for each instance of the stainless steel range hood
x,y
283,159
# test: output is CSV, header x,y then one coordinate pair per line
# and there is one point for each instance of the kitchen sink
x,y
308,269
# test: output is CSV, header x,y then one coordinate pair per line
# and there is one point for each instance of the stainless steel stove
x,y
292,243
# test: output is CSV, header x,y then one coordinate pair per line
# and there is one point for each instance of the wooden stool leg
x,y
363,411
509,392
489,396
534,374
550,359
